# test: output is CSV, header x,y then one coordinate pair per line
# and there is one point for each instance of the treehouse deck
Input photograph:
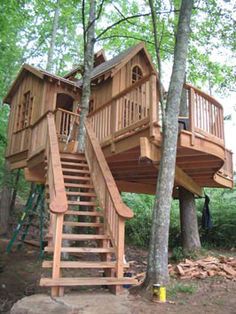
x,y
122,153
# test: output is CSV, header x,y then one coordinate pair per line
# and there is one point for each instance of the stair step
x,y
74,157
86,281
78,185
83,224
75,164
81,193
81,250
76,178
84,237
82,203
64,170
84,213
72,264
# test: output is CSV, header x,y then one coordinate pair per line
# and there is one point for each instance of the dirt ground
x,y
20,272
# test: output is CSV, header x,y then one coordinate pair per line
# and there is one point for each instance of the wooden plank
x,y
76,178
149,150
77,185
81,250
75,264
83,213
135,187
83,224
83,203
86,281
182,179
74,164
78,193
83,237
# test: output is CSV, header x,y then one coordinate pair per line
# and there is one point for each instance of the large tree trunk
x,y
188,220
157,270
188,214
53,37
5,201
88,67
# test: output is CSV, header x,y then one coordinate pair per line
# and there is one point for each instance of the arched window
x,y
137,74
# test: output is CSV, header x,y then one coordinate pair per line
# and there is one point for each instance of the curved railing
x,y
205,114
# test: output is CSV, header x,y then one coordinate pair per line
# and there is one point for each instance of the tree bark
x,y
5,201
188,221
157,270
14,192
88,67
51,48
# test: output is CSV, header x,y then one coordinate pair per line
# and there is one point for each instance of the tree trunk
x,y
53,37
188,220
188,215
157,270
88,67
5,201
14,192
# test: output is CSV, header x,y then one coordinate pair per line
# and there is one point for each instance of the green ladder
x,y
35,201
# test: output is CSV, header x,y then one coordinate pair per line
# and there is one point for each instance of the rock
x,y
39,304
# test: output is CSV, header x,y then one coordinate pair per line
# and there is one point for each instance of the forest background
x,y
26,28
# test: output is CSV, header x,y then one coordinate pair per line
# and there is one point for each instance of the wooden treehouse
x,y
123,141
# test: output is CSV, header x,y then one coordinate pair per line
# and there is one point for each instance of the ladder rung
x,y
81,250
83,213
73,264
64,170
83,224
81,193
82,203
74,157
74,164
77,185
84,237
86,281
76,178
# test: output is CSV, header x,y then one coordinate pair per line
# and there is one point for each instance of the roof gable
x,y
39,73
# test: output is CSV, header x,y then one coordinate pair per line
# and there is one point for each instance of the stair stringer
x,y
115,211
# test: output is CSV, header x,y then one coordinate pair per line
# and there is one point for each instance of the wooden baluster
x,y
191,115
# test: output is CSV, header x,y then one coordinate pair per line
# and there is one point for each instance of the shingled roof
x,y
106,66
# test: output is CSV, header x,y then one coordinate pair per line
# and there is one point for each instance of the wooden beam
x,y
34,176
152,152
182,179
134,187
149,150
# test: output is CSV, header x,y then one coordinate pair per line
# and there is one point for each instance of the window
x,y
24,112
137,74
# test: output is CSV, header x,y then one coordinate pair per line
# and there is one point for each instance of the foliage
x,y
223,212
138,228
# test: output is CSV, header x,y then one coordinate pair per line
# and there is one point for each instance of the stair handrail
x,y
121,209
58,200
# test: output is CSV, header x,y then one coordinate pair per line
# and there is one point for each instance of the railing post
x,y
153,105
56,273
191,115
114,122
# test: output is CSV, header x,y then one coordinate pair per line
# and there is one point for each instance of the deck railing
x,y
127,111
227,169
205,114
115,211
66,122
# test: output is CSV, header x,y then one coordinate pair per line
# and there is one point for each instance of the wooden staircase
x,y
86,239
